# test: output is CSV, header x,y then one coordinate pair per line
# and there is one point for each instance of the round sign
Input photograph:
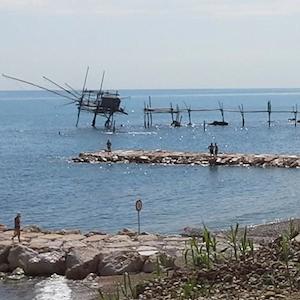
x,y
138,205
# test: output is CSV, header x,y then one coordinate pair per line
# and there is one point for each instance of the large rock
x,y
47,264
80,262
158,262
126,231
4,267
297,238
32,228
4,255
117,263
19,256
2,227
16,274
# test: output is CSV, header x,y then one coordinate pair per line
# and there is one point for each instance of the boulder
x,y
32,228
129,232
143,159
68,231
118,263
19,256
4,267
115,158
39,244
17,274
95,238
192,232
297,238
4,255
80,262
92,233
158,262
18,271
2,227
47,264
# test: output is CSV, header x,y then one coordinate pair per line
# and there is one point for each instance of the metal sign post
x,y
138,207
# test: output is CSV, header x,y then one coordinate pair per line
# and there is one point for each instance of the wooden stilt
x,y
222,111
114,127
241,107
151,120
172,112
145,115
190,119
148,117
269,113
178,117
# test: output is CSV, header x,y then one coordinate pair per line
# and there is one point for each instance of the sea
x,y
38,139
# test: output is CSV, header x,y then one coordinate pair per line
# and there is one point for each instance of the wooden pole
x,y
295,114
178,118
204,124
144,114
190,119
269,113
222,111
150,111
172,113
114,127
241,107
148,119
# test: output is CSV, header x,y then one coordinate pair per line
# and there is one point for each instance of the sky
x,y
151,44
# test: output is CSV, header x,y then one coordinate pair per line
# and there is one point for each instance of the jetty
x,y
76,254
163,157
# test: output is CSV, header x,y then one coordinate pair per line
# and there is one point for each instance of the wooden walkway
x,y
176,113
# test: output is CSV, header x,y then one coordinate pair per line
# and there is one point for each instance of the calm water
x,y
38,180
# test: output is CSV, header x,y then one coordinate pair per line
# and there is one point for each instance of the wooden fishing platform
x,y
189,158
176,113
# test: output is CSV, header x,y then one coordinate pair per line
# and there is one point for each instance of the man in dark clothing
x,y
216,149
108,144
211,149
17,231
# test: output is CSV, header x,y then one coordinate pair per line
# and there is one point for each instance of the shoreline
x,y
75,254
163,157
103,261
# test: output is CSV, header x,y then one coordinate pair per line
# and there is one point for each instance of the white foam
x,y
53,288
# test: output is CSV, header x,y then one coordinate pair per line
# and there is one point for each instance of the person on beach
x,y
216,151
108,145
211,149
17,229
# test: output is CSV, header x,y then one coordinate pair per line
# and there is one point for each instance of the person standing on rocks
x,y
17,231
108,145
216,149
211,149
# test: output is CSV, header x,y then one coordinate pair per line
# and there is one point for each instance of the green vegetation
x,y
127,290
210,266
202,254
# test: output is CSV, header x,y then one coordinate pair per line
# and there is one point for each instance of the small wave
x,y
53,288
141,133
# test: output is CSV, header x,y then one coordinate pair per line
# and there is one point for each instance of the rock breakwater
x,y
189,158
76,255
264,271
